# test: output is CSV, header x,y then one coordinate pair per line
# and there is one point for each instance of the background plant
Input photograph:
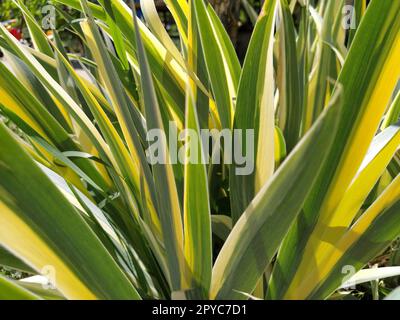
x,y
78,195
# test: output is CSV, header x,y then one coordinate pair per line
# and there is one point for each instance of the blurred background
x,y
238,17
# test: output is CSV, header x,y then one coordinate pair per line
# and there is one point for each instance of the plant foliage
x,y
78,195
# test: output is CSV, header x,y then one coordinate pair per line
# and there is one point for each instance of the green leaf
x,y
196,203
39,225
219,73
255,111
9,290
7,259
290,100
257,235
393,114
40,41
367,80
367,238
167,195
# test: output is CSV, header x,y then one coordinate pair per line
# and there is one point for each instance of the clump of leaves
x,y
78,195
